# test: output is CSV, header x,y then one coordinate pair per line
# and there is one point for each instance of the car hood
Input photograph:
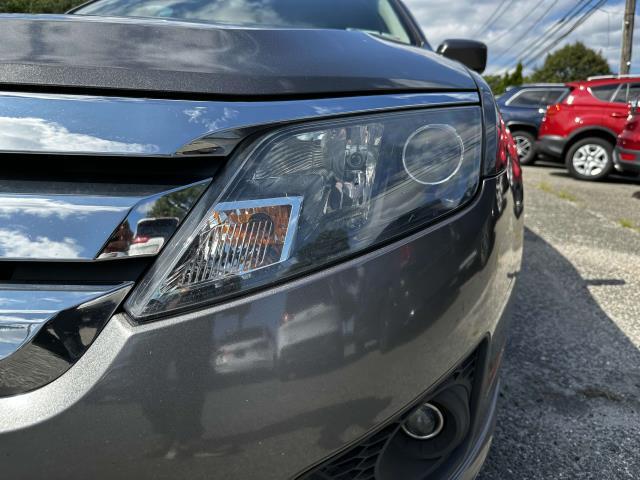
x,y
50,52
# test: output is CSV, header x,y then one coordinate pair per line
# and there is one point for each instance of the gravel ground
x,y
570,403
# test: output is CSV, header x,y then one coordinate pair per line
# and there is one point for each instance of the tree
x,y
500,83
176,204
37,6
571,62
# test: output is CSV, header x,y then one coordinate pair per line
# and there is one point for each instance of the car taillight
x,y
506,146
140,239
632,124
553,110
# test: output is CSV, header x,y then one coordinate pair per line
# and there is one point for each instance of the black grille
x,y
359,462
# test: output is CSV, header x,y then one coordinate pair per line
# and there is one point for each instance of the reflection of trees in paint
x,y
177,204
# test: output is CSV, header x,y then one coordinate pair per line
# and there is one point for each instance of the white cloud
x,y
49,207
441,19
14,244
37,134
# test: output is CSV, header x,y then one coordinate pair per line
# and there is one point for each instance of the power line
x,y
577,24
557,32
526,32
490,18
492,23
585,11
510,30
552,30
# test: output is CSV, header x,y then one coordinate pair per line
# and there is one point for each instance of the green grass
x,y
37,6
562,194
545,187
626,223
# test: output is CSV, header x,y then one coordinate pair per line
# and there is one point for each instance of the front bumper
x,y
552,145
144,401
626,160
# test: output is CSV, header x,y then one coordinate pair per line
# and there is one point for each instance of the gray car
x,y
330,297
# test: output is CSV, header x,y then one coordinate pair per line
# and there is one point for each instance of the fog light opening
x,y
424,423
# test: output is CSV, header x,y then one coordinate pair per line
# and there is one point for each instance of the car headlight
x,y
312,194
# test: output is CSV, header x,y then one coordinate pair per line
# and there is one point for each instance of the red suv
x,y
627,153
582,129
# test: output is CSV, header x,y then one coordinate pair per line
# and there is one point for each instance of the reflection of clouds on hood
x,y
37,134
14,244
199,115
49,207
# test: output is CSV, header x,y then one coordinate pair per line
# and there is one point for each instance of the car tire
x,y
525,143
590,159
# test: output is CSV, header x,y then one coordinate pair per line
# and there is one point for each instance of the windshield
x,y
374,16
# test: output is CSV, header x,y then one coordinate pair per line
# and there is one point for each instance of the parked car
x,y
627,153
523,108
151,233
245,350
314,158
582,129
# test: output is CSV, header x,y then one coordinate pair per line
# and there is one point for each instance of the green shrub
x,y
37,6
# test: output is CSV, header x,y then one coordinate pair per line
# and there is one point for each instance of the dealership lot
x,y
569,406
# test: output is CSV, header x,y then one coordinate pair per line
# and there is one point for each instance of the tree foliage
x,y
37,6
572,62
499,83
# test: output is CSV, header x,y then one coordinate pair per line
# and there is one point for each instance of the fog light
x,y
424,422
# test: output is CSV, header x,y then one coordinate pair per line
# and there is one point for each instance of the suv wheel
x,y
525,143
590,159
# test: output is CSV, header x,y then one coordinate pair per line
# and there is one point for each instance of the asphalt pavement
x,y
570,401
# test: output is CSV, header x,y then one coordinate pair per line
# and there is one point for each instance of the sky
x,y
518,24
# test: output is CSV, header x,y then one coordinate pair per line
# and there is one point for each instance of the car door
x,y
634,92
529,105
523,106
617,112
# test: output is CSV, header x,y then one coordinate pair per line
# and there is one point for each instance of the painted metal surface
x,y
165,57
159,399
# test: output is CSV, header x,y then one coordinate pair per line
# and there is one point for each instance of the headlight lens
x,y
309,195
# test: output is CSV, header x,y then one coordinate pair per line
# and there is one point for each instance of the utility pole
x,y
627,37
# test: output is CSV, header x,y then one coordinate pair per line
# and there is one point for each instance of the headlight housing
x,y
312,194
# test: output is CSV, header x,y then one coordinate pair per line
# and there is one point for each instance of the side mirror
x,y
468,52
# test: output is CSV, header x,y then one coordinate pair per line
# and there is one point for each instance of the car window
x,y
157,227
634,92
528,98
554,96
621,94
604,92
377,16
